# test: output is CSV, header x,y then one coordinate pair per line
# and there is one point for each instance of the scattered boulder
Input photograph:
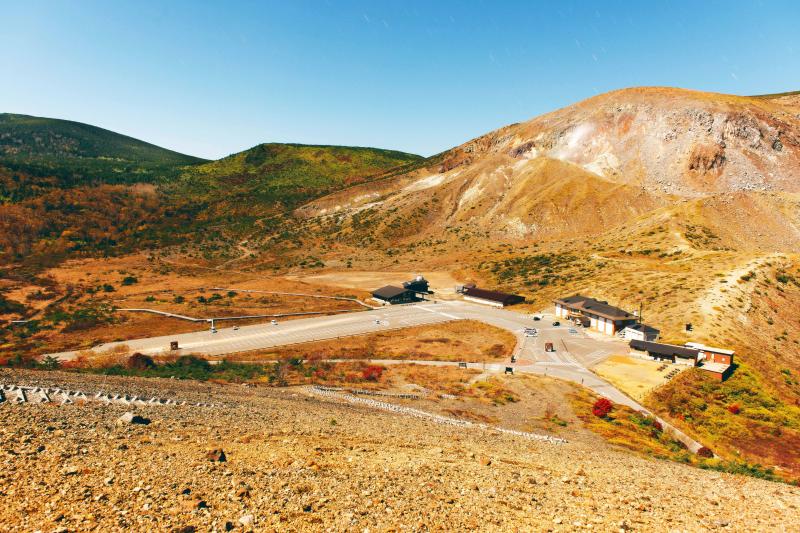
x,y
130,418
216,455
247,521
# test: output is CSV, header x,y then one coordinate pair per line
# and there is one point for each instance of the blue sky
x,y
211,79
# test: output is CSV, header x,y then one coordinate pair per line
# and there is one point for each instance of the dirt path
x,y
719,297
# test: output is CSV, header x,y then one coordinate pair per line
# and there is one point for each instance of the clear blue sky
x,y
210,79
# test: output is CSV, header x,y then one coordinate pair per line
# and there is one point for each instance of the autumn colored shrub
x,y
352,377
602,407
372,373
734,408
139,361
705,452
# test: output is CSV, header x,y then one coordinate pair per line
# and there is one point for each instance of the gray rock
x,y
130,418
247,520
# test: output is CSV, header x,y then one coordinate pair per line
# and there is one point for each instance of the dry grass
x,y
396,378
635,377
628,429
461,340
80,284
440,282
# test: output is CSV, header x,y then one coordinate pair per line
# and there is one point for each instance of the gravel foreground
x,y
280,459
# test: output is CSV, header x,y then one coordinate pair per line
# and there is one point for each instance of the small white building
x,y
640,332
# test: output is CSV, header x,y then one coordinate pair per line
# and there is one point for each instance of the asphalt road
x,y
246,338
574,350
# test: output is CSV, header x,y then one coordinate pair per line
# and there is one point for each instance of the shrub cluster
x,y
372,373
602,407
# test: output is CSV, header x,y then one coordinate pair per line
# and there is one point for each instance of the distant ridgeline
x,y
68,188
74,154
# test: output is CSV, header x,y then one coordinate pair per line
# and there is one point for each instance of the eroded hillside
x,y
594,165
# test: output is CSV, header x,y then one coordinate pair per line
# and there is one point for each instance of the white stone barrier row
x,y
439,419
365,392
25,394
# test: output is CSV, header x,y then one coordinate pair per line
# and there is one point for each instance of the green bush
x,y
10,306
742,468
186,367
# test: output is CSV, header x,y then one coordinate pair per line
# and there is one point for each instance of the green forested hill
x,y
77,154
68,188
274,177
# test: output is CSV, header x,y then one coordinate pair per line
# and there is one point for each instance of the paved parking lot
x,y
571,348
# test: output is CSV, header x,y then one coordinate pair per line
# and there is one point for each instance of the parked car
x,y
274,322
573,331
556,323
531,332
235,328
213,330
537,317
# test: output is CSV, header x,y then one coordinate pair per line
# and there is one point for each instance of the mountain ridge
x,y
60,181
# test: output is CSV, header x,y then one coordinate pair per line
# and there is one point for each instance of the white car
x,y
274,322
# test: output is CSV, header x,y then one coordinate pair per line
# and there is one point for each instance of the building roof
x,y
389,291
717,368
591,305
494,296
419,284
703,347
668,350
644,328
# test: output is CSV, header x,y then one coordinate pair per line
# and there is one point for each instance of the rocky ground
x,y
293,461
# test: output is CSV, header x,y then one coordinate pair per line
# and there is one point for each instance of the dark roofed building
x,y
395,295
495,298
667,352
602,316
419,285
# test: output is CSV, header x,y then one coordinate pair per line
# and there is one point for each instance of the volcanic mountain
x,y
596,164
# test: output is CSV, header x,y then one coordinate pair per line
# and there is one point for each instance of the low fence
x,y
21,394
